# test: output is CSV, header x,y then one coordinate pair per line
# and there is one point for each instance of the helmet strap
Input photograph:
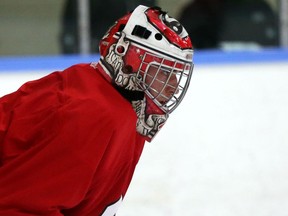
x,y
129,94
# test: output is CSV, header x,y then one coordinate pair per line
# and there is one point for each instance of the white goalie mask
x,y
148,51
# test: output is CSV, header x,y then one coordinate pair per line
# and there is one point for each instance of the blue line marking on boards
x,y
201,57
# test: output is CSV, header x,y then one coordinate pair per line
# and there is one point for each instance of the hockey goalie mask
x,y
147,51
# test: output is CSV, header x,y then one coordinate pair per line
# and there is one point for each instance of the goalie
x,y
70,141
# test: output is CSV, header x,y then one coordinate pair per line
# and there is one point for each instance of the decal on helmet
x,y
115,61
147,125
174,25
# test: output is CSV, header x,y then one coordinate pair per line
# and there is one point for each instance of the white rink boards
x,y
223,152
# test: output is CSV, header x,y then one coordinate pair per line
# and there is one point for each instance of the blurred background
x,y
223,152
38,27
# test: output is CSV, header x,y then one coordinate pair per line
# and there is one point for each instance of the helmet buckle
x,y
121,46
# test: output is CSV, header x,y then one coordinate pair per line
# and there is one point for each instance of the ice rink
x,y
223,152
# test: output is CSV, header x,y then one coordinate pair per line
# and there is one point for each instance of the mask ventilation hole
x,y
120,49
141,32
158,36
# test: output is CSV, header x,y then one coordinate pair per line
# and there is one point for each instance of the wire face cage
x,y
164,80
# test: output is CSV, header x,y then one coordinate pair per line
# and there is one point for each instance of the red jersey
x,y
68,146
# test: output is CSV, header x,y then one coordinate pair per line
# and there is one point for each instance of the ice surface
x,y
223,152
